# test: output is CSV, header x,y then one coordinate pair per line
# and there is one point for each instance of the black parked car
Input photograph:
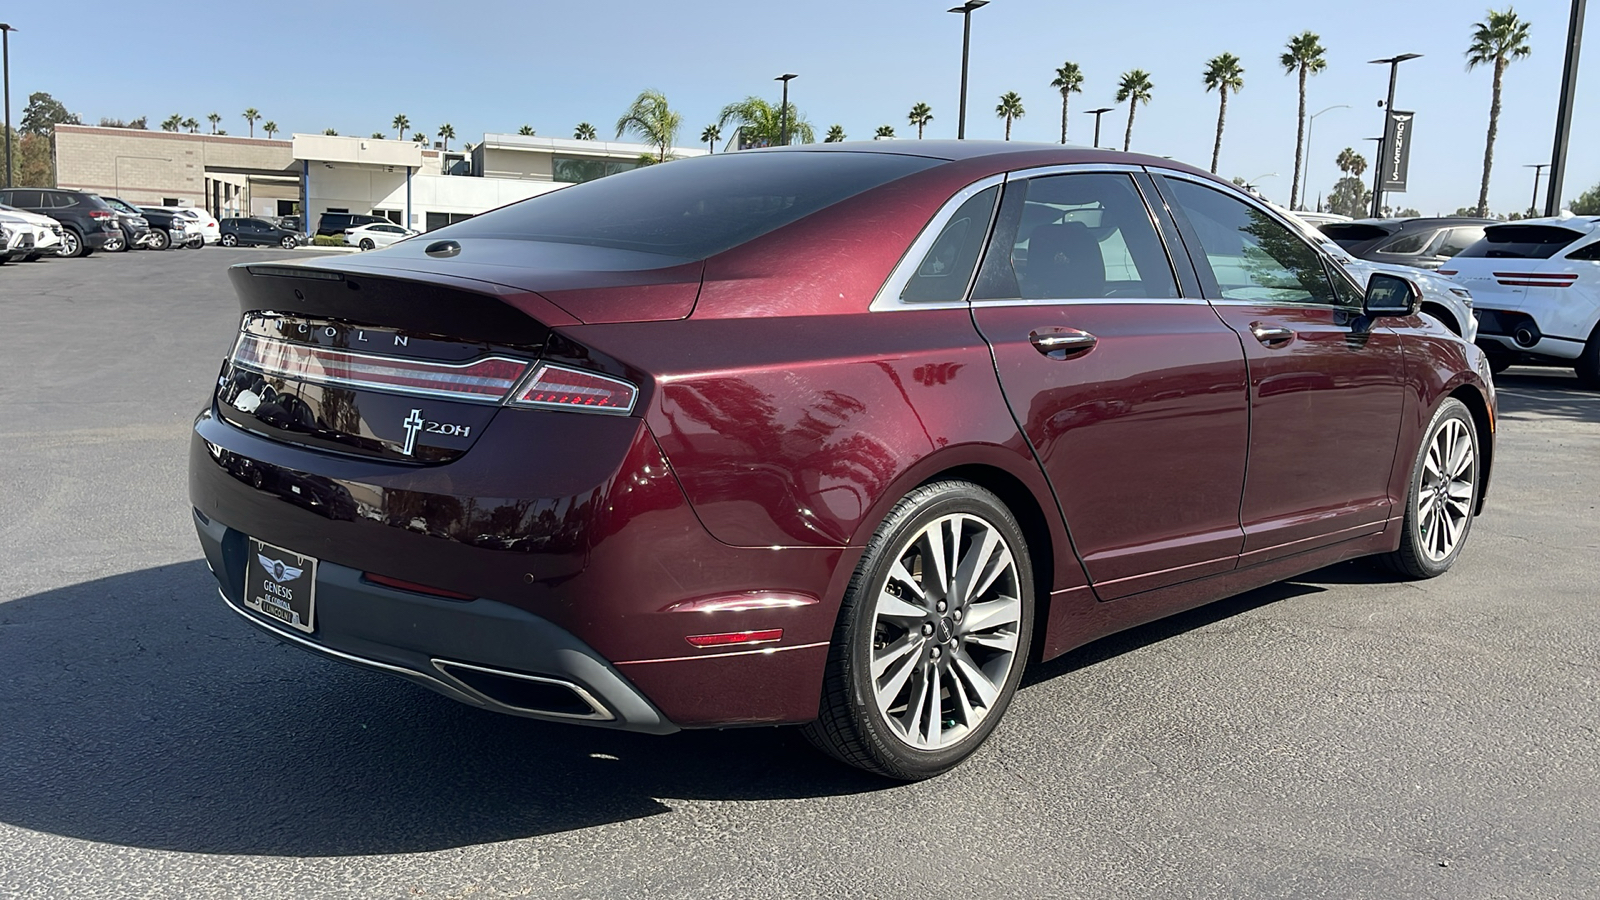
x,y
131,222
330,223
1420,243
236,232
87,222
169,228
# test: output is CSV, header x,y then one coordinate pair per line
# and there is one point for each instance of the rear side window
x,y
1408,243
1077,236
1456,240
61,200
1590,253
1349,234
1521,242
25,199
945,271
693,208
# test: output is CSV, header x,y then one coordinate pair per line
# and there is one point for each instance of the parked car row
x,y
65,222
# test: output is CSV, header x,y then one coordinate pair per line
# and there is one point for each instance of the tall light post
x,y
1311,124
1097,113
1538,169
783,114
966,43
5,49
1569,84
1377,168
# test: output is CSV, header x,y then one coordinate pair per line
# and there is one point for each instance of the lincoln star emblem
x,y
413,424
279,572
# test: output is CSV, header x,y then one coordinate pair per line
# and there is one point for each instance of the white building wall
x,y
373,190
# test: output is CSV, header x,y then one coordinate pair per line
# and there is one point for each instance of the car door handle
x,y
1271,335
1063,341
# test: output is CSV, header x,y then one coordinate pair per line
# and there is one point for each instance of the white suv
x,y
1537,284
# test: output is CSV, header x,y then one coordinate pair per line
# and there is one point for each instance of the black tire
x,y
1499,362
854,725
160,239
115,244
1588,364
33,257
1416,558
229,240
366,244
288,242
195,243
72,244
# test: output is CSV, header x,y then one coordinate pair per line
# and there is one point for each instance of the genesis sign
x,y
1396,160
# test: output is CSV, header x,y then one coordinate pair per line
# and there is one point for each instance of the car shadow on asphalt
x,y
1547,392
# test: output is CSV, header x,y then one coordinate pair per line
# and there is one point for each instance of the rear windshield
x,y
1521,242
692,208
1348,234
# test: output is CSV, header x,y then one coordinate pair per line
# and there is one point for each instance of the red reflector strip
x,y
412,586
745,638
1448,271
558,387
488,379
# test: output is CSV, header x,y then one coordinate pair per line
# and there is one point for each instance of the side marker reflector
x,y
742,638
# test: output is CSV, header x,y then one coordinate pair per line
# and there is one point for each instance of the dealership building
x,y
406,182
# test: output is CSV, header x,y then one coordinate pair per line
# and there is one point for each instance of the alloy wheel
x,y
69,243
229,240
1444,497
945,631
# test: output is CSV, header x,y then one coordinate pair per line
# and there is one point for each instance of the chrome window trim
x,y
1074,168
888,297
1095,301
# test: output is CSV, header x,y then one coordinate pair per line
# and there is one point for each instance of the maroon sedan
x,y
838,435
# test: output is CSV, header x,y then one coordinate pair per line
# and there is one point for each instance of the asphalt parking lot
x,y
1341,735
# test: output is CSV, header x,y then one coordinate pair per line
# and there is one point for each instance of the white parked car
x,y
376,234
207,224
1538,287
1445,300
16,240
46,231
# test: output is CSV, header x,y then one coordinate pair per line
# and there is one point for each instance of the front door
x,y
1326,383
1132,396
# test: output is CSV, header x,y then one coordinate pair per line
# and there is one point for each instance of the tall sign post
x,y
1569,85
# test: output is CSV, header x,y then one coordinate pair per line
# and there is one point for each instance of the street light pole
x,y
1097,113
1388,107
1569,85
966,44
1538,169
1311,124
5,49
783,114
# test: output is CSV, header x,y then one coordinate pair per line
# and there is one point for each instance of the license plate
x,y
281,584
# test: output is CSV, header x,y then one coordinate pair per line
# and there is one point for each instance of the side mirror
x,y
1391,295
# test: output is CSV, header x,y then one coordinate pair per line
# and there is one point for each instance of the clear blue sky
x,y
493,65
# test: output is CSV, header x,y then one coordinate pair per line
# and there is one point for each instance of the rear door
x,y
1131,394
1327,386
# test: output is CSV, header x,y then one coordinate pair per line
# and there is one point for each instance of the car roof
x,y
1580,224
999,151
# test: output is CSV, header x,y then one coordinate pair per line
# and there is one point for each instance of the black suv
x,y
1423,243
87,223
134,226
244,232
336,223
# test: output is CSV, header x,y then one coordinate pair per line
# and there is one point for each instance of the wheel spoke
x,y
992,614
899,574
889,692
907,645
892,607
1005,641
935,718
986,690
972,566
934,558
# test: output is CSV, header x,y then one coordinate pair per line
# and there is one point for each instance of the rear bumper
x,y
1520,332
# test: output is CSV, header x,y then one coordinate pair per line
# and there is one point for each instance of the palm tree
x,y
331,132
835,135
250,115
526,131
1223,74
1350,162
445,134
1069,81
885,131
400,124
584,132
1135,88
192,124
1010,109
654,120
420,138
1496,41
379,135
270,129
711,134
920,116
761,123
172,122
1304,55
214,118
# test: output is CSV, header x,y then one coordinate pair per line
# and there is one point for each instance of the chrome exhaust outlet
x,y
520,692
1526,335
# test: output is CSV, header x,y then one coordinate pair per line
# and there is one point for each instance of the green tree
x,y
1136,88
1069,81
418,138
760,124
1410,212
526,131
331,132
920,116
1010,109
35,167
1496,41
1350,196
214,118
584,132
43,113
884,131
400,123
1304,55
379,135
653,120
711,134
270,129
446,132
835,134
172,122
1587,203
192,124
251,116
1223,74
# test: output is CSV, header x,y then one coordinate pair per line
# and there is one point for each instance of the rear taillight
x,y
486,380
558,387
1447,272
101,214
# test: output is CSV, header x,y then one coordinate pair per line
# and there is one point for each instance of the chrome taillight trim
x,y
354,362
532,378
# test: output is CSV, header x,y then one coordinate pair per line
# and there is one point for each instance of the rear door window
x,y
1456,240
1521,242
1250,255
1408,243
61,199
25,199
1590,253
